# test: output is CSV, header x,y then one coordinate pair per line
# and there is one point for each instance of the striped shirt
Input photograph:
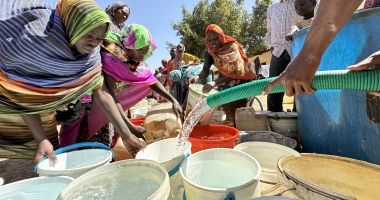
x,y
281,17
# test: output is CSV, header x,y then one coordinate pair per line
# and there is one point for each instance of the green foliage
x,y
258,27
231,16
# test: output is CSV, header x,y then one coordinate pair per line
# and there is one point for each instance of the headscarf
x,y
230,58
80,17
226,39
136,36
39,70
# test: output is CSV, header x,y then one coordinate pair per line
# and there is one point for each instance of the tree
x,y
258,28
229,15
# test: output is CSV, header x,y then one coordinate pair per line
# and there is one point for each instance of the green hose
x,y
338,79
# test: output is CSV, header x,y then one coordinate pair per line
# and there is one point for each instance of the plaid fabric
x,y
280,18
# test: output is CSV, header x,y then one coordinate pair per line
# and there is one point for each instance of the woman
x,y
118,13
49,58
228,56
127,79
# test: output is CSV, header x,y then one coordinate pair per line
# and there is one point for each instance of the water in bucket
x,y
43,192
75,163
128,179
126,185
40,188
219,174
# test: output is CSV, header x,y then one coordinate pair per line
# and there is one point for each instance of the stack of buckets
x,y
180,167
170,171
53,178
206,143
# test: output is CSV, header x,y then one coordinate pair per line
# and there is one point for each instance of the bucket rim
x,y
317,188
118,165
182,154
74,170
282,114
222,190
22,182
235,135
193,90
271,145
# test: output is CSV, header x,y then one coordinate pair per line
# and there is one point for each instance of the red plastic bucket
x,y
138,121
213,136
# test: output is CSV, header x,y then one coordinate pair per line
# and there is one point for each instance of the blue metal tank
x,y
337,121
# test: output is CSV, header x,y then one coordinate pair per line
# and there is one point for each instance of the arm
x,y
159,88
293,29
45,148
330,17
108,105
222,79
110,84
208,61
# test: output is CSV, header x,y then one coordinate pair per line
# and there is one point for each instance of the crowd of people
x,y
81,66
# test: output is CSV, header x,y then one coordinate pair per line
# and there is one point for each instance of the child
x,y
306,9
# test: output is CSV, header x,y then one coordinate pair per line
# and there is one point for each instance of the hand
x,y
297,76
208,86
45,148
135,143
370,63
194,79
138,131
177,108
289,38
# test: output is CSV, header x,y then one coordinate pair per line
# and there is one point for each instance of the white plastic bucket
x,y
165,153
284,123
268,155
220,173
194,96
75,163
40,188
247,119
267,136
128,179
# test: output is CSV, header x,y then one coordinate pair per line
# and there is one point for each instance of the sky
x,y
158,16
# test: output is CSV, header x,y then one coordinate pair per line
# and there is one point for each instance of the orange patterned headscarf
x,y
230,58
226,39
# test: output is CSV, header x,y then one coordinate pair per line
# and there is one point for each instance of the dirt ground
x,y
12,170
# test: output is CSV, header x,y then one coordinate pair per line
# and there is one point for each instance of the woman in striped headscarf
x,y
48,58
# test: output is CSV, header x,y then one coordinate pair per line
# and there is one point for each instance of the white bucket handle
x,y
175,169
76,146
